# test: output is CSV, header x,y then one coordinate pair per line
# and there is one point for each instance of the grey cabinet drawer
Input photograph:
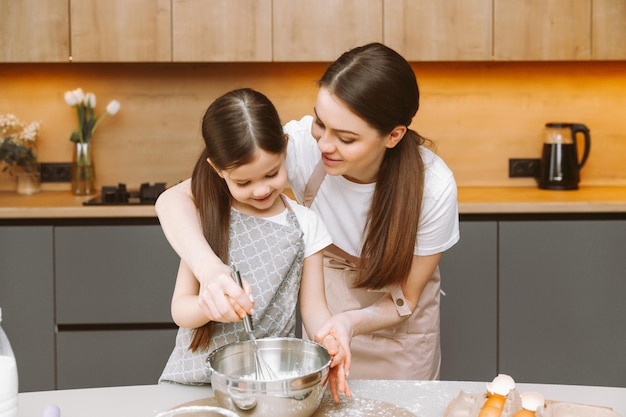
x,y
562,310
111,358
113,274
26,298
469,310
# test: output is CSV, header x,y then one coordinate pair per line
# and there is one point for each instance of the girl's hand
x,y
335,334
221,299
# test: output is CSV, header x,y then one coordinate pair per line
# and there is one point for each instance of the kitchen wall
x,y
478,115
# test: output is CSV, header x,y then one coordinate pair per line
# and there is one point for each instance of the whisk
x,y
262,370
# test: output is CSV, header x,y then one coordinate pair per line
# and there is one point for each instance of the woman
x,y
389,204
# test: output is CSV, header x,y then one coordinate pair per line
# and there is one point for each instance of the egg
x,y
501,385
524,413
490,411
52,411
497,391
532,400
495,400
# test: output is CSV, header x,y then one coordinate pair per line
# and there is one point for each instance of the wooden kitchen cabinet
x,y
542,30
321,30
41,31
425,30
222,30
562,311
26,298
34,31
121,30
608,29
469,309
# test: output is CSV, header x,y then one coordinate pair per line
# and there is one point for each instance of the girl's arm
x,y
383,313
181,225
188,311
314,312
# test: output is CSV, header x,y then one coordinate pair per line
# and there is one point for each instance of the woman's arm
x,y
315,312
181,225
313,304
383,313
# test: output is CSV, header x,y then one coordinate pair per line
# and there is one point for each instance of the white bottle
x,y
8,376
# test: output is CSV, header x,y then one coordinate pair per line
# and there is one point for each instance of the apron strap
x,y
314,183
310,191
286,202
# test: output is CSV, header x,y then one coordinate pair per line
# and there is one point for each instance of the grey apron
x,y
270,257
409,350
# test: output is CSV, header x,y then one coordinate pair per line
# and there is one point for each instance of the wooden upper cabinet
x,y
222,30
34,31
608,29
321,30
542,30
121,30
451,30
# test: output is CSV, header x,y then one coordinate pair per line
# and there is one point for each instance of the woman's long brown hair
x,y
234,128
379,85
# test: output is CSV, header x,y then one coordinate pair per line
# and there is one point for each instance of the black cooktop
x,y
119,195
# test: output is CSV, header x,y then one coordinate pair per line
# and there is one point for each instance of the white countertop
x,y
423,398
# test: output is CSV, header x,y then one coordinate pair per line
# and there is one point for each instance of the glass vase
x,y
83,171
27,183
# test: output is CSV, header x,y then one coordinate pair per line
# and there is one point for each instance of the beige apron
x,y
409,350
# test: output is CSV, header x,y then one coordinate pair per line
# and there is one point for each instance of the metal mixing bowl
x,y
301,367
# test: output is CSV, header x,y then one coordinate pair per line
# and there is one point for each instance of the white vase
x,y
27,183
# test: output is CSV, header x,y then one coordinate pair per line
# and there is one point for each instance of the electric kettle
x,y
560,166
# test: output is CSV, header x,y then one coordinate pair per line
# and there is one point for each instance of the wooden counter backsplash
x,y
477,114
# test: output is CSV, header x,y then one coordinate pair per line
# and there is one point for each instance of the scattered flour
x,y
359,407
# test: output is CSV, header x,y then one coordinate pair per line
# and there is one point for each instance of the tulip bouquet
x,y
17,143
88,122
83,171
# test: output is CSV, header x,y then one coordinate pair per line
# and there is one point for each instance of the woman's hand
x,y
335,334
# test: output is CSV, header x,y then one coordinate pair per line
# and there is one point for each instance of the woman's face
x,y
256,186
349,145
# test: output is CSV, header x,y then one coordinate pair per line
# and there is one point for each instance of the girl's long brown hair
x,y
379,85
234,128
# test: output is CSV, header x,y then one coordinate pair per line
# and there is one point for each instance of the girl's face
x,y
349,145
256,186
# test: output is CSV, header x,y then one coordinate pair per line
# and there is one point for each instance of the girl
x,y
390,205
275,243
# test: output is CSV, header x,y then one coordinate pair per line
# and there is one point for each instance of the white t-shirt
x,y
343,205
316,236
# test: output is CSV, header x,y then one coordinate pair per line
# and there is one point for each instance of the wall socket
x,y
528,167
55,172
